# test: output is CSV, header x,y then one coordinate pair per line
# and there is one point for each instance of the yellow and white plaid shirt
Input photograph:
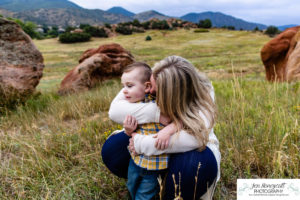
x,y
157,162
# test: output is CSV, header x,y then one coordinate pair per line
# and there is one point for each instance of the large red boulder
x,y
96,65
281,56
21,64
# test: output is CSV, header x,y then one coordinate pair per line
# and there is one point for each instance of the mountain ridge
x,y
219,19
120,10
51,12
147,15
25,5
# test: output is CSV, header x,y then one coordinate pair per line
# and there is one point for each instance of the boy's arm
x,y
143,112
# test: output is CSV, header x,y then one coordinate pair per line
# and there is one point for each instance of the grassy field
x,y
50,146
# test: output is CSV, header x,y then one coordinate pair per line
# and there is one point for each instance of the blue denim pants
x,y
116,157
142,183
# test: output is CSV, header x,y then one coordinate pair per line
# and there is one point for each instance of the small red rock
x,y
96,65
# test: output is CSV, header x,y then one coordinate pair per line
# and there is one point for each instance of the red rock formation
x,y
293,63
96,65
21,64
279,56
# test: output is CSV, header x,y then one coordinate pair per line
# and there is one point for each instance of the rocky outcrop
x,y
96,65
281,56
21,64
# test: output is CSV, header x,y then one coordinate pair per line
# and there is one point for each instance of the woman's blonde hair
x,y
182,92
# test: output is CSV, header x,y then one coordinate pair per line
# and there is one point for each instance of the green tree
x,y
95,32
29,28
146,25
70,28
162,25
45,28
272,30
256,29
125,30
107,25
205,23
53,32
230,27
136,23
83,26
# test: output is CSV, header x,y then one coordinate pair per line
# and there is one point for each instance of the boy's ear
x,y
148,87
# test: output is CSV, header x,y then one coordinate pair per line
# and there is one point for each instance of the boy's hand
x,y
131,145
129,124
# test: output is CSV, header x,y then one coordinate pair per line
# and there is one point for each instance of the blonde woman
x,y
187,98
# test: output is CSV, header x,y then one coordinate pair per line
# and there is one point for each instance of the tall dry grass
x,y
50,146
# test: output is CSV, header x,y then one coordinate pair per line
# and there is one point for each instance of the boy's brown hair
x,y
144,68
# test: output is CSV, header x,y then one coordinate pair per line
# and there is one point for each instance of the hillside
x,y
282,28
120,10
219,19
66,13
70,17
145,16
25,5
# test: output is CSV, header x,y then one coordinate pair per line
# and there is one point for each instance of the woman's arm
x,y
143,112
181,142
145,144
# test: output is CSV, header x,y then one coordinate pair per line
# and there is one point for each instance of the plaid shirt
x,y
157,162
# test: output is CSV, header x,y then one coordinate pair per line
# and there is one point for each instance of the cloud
x,y
276,12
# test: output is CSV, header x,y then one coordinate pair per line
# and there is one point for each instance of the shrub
x,y
70,28
148,38
272,30
136,23
175,24
205,23
53,32
125,30
146,25
83,26
201,30
107,25
230,27
94,31
74,37
256,29
160,25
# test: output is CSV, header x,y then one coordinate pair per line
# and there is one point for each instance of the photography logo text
x,y
268,189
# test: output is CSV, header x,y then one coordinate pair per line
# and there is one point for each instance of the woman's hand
x,y
129,124
131,145
162,141
163,136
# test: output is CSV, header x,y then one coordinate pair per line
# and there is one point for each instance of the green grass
x,y
50,146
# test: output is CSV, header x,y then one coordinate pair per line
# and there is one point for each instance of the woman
x,y
186,97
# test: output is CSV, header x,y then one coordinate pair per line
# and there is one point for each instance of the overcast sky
x,y
271,12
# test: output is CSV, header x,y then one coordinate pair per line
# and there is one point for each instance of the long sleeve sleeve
x,y
143,112
182,142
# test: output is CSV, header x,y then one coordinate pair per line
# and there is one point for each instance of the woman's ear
x,y
147,87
